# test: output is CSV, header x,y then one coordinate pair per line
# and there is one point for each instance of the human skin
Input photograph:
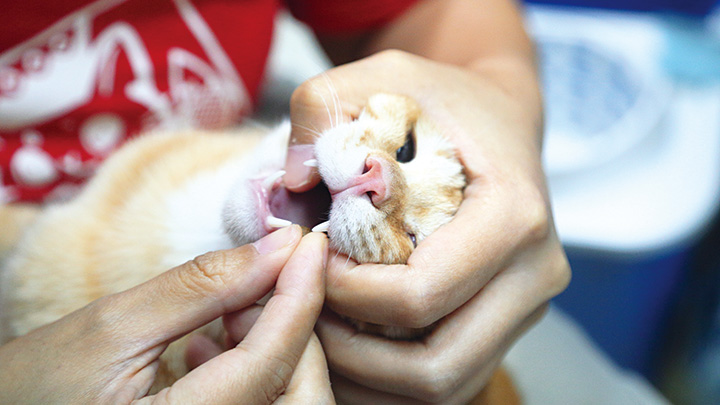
x,y
486,276
107,352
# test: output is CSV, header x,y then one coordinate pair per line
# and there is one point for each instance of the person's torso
x,y
78,77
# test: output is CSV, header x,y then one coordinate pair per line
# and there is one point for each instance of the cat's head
x,y
393,178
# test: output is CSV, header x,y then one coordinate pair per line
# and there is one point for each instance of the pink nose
x,y
372,182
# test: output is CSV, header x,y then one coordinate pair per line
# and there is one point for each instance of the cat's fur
x,y
166,198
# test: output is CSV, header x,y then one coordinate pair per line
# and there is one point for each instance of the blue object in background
x,y
692,52
695,7
691,370
624,301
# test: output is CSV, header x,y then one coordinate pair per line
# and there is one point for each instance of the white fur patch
x,y
200,213
194,220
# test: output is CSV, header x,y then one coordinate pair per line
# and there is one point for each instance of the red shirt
x,y
79,77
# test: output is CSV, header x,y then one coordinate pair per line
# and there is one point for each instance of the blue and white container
x,y
633,156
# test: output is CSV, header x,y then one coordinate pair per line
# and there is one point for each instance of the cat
x,y
389,180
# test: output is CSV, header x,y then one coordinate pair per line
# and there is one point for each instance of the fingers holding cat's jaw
x,y
454,263
352,392
488,274
263,365
437,368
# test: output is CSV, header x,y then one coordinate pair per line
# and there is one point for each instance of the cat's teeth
x,y
311,163
323,227
268,182
274,222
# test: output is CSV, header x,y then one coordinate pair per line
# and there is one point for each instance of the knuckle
x,y
439,382
205,273
97,314
392,56
416,311
559,273
304,94
101,319
536,223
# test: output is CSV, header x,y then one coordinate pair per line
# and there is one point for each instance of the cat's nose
x,y
373,180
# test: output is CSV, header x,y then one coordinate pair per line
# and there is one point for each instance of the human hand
x,y
107,352
486,276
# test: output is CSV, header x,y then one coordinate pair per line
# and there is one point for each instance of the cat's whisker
x,y
274,222
337,106
311,130
348,257
327,108
311,163
337,277
268,183
322,227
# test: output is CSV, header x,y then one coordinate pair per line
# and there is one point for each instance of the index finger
x,y
260,368
193,294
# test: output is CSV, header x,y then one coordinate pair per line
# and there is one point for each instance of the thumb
x,y
262,366
315,106
334,97
193,294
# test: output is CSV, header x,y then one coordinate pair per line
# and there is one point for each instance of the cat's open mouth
x,y
280,207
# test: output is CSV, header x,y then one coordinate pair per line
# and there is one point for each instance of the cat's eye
x,y
413,239
406,152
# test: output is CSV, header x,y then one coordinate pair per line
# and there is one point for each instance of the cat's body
x,y
164,199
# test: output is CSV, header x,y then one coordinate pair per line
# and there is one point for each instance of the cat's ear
x,y
394,108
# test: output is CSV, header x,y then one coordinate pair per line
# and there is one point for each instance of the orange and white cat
x,y
391,179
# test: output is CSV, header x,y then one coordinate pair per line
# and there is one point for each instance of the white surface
x,y
295,56
651,181
555,363
659,196
603,86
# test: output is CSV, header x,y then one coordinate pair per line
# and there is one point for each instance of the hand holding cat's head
x,y
393,177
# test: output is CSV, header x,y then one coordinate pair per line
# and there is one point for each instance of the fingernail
x,y
298,174
322,239
277,240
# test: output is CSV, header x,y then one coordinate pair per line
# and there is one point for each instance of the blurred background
x,y
632,152
633,158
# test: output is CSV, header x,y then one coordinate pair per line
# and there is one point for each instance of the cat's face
x,y
393,178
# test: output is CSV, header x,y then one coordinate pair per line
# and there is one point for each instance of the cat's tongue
x,y
307,209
